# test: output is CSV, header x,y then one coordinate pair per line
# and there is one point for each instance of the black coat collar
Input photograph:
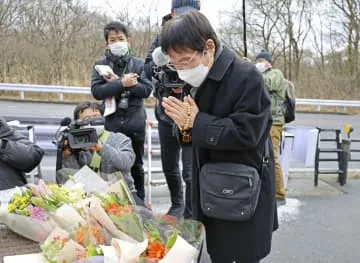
x,y
221,64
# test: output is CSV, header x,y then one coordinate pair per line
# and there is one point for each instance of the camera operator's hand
x,y
129,80
111,77
96,148
67,151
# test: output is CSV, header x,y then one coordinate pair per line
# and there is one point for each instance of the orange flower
x,y
86,232
155,250
80,236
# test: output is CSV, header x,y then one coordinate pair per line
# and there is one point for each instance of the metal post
x,y
22,95
345,158
244,28
31,139
149,146
61,96
317,155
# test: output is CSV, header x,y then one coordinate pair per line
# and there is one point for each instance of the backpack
x,y
289,101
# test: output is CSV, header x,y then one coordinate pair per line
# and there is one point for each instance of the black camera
x,y
77,136
169,79
124,100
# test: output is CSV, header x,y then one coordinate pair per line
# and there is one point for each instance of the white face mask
x,y
98,128
261,66
119,48
194,76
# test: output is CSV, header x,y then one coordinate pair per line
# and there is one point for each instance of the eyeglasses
x,y
175,67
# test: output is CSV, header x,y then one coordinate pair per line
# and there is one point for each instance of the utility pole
x,y
244,27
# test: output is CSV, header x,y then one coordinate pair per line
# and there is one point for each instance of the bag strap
x,y
96,158
265,157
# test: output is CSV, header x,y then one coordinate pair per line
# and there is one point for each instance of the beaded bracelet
x,y
186,137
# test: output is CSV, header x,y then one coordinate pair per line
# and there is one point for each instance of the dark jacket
x,y
133,119
17,156
232,126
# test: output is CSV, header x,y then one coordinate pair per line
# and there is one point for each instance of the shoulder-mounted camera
x,y
77,134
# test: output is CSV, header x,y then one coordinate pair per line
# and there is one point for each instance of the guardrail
x,y
22,88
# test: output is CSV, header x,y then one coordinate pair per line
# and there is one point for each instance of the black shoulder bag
x,y
230,191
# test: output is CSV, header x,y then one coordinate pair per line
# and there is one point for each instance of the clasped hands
x,y
183,113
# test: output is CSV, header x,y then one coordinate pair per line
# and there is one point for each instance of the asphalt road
x,y
319,229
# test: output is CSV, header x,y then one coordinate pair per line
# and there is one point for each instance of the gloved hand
x,y
160,59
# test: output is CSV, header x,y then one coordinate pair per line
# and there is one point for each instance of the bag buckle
x,y
265,160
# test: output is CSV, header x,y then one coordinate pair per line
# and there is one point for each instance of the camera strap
x,y
96,158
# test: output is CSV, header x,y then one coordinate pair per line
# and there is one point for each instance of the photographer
x,y
167,83
111,154
129,85
17,156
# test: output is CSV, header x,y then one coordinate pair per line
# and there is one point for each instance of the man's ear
x,y
129,41
172,12
210,46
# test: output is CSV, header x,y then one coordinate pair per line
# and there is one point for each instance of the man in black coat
x,y
129,86
229,121
17,156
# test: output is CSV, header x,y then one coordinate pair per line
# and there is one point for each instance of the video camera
x,y
77,136
165,80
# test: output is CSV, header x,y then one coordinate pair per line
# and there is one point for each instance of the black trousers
x,y
137,171
170,156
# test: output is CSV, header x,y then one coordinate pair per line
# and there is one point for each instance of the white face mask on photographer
x,y
194,76
119,48
261,66
98,128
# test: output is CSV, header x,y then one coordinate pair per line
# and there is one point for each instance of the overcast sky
x,y
160,8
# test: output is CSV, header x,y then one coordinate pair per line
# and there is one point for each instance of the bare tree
x,y
350,10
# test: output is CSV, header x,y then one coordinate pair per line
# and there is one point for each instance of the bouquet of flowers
x,y
58,201
171,240
60,248
26,218
91,236
115,212
118,216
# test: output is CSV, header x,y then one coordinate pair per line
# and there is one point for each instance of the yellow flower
x,y
11,207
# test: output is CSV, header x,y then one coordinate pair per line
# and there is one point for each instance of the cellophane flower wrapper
x,y
90,181
59,202
23,217
171,240
121,189
60,248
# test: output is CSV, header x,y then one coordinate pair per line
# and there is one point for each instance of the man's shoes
x,y
280,201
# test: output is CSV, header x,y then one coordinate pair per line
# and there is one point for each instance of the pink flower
x,y
37,213
34,189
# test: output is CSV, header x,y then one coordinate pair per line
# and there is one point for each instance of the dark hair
x,y
115,26
189,30
86,105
